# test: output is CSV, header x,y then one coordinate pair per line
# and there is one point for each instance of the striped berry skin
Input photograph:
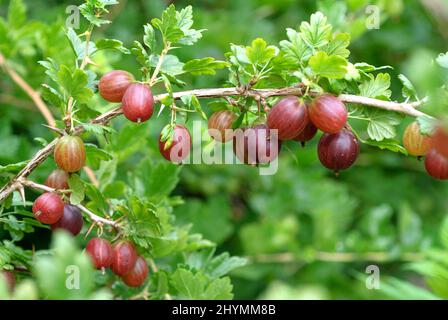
x,y
414,142
48,208
441,141
100,252
180,147
137,276
114,84
328,113
138,103
338,151
58,179
220,125
289,116
436,165
70,153
70,221
123,258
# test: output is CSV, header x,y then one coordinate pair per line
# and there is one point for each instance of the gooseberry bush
x,y
275,97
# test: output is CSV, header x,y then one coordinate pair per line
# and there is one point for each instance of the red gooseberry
x,y
58,179
70,153
123,258
71,220
138,102
436,165
328,113
180,145
138,274
100,252
113,85
441,141
48,208
289,116
220,125
338,151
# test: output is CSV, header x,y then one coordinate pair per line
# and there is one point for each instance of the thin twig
x,y
105,118
96,219
34,95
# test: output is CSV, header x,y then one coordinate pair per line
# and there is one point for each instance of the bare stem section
x,y
103,119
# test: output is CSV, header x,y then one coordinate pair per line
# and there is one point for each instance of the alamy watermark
x,y
373,280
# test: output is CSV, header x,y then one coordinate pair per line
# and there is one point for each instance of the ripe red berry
x,y
123,258
220,125
48,208
441,141
328,113
138,102
9,278
180,146
436,165
71,220
415,143
138,274
70,153
257,145
307,134
338,151
113,85
100,252
289,116
58,179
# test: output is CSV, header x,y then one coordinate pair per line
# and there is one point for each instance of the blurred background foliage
x,y
307,233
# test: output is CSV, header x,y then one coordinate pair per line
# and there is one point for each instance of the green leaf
x,y
387,144
77,186
140,53
95,155
376,87
13,167
75,83
168,25
198,286
149,39
53,97
170,64
223,264
317,32
408,90
185,22
68,274
92,10
259,53
16,14
51,67
382,124
338,45
204,66
295,48
111,44
427,125
333,67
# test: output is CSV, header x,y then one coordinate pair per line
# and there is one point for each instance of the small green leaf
x,y
427,125
77,186
170,64
259,53
382,124
149,39
168,25
333,67
193,102
408,90
338,45
295,47
376,87
387,144
317,32
111,44
75,83
204,66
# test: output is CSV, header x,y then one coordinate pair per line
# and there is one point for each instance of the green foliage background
x,y
305,232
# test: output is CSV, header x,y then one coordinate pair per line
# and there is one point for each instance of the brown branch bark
x,y
404,108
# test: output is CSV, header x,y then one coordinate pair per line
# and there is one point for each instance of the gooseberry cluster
x,y
434,147
137,102
293,119
122,258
